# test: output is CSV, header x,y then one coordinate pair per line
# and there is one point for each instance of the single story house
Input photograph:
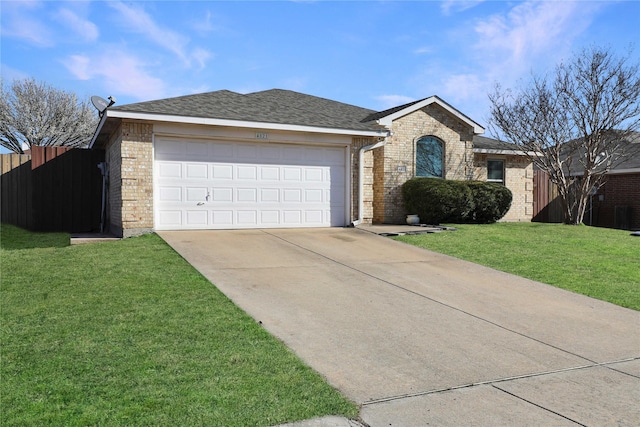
x,y
616,204
279,158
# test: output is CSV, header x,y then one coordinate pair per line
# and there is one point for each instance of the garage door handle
x,y
200,203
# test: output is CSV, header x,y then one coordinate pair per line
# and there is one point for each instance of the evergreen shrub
x,y
437,200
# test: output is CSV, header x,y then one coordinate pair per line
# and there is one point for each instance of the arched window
x,y
429,157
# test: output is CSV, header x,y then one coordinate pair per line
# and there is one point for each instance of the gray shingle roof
x,y
485,143
270,106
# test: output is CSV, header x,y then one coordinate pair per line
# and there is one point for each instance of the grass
x,y
598,262
128,333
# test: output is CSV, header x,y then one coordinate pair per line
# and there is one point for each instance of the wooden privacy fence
x,y
547,205
15,190
52,189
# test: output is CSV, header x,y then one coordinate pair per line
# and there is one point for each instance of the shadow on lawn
x,y
14,238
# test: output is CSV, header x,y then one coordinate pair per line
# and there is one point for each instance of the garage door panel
x,y
270,217
196,218
221,152
247,172
314,217
198,150
247,195
221,171
222,217
196,194
292,217
291,174
270,152
292,195
269,173
170,218
170,170
270,195
196,171
170,194
247,217
243,185
293,155
314,174
222,195
313,195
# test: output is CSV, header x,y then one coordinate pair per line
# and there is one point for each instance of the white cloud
x,y
82,27
204,26
424,50
449,6
10,74
464,86
141,22
122,74
18,21
530,37
201,56
532,31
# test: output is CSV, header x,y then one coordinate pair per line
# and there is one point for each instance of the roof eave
x,y
388,120
506,152
241,123
612,172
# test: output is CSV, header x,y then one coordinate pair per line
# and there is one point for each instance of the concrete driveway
x,y
418,338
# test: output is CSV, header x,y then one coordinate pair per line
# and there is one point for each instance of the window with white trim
x,y
495,170
429,157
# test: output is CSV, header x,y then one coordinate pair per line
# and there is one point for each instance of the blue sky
x,y
374,54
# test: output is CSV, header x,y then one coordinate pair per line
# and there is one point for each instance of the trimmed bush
x,y
492,201
437,200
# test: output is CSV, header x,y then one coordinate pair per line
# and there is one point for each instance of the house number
x,y
262,135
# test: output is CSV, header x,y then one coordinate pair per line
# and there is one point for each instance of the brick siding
x,y
518,177
130,157
398,160
368,182
618,190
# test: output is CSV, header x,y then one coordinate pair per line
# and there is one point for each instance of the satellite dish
x,y
102,104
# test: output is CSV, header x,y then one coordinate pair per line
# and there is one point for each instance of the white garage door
x,y
217,185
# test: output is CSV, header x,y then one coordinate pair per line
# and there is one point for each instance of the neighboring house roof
x,y
485,145
629,146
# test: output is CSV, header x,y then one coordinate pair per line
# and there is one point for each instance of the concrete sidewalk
x,y
418,338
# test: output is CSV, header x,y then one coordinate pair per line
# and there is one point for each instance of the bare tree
x,y
576,125
36,114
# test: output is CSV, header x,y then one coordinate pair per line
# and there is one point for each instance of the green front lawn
x,y
128,333
598,262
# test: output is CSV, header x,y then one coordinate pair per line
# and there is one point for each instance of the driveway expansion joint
x,y
538,406
501,380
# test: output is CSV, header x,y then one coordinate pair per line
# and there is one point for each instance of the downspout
x,y
361,176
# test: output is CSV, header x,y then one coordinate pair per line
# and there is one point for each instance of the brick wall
x,y
619,190
518,178
398,159
130,157
114,200
368,182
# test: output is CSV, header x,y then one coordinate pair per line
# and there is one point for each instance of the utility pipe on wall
x,y
361,176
